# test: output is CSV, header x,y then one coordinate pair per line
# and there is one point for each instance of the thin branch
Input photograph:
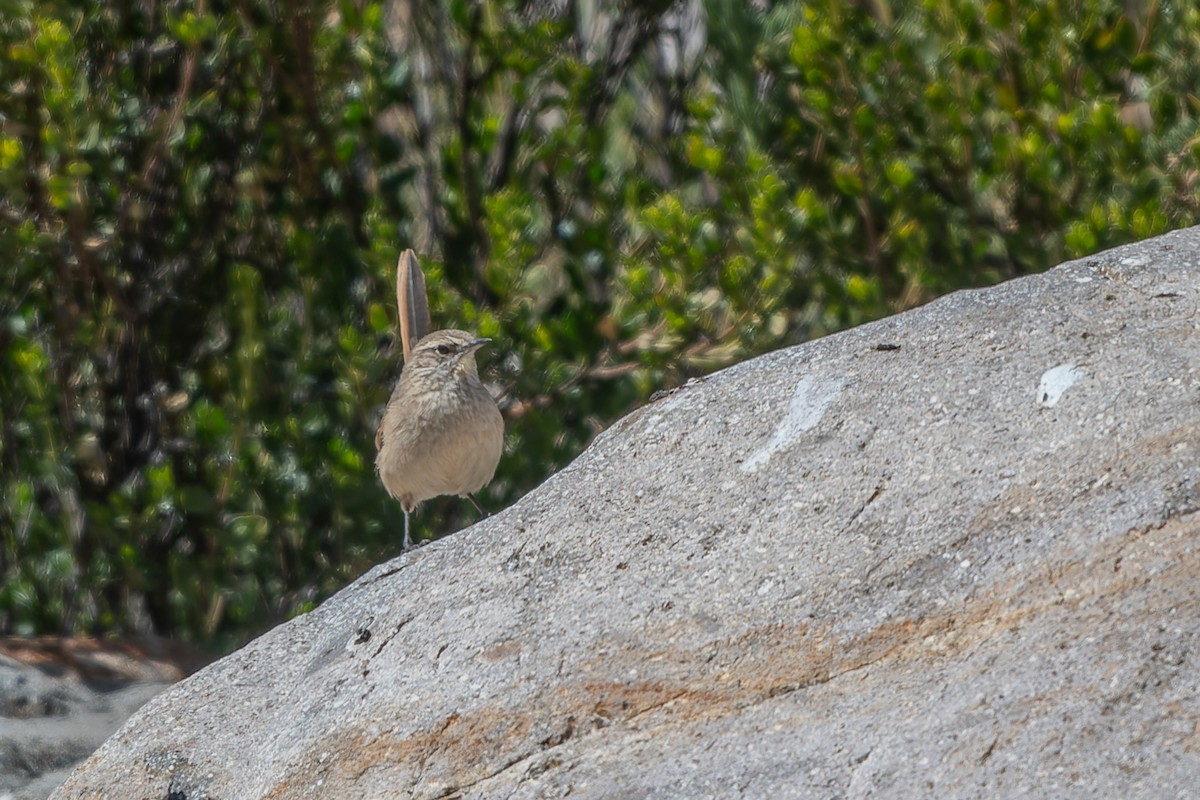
x,y
505,151
468,84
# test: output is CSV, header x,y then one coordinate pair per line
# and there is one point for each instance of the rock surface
x,y
950,554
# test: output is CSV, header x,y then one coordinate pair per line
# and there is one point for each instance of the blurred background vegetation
x,y
202,203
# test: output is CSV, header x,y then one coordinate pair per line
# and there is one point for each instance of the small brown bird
x,y
442,432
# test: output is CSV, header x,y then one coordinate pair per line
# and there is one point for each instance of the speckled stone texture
x,y
950,554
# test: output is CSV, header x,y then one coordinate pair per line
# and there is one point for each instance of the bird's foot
x,y
483,514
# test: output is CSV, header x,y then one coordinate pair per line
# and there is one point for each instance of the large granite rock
x,y
950,554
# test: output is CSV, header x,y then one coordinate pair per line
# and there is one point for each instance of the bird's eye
x,y
445,349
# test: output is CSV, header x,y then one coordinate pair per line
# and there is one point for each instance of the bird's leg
x,y
482,514
407,539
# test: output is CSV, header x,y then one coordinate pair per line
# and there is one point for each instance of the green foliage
x,y
203,207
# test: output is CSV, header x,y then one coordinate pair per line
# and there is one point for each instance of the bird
x,y
441,432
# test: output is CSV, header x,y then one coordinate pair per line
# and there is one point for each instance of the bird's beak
x,y
474,345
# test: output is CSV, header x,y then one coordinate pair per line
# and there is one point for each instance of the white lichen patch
x,y
1055,381
810,399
